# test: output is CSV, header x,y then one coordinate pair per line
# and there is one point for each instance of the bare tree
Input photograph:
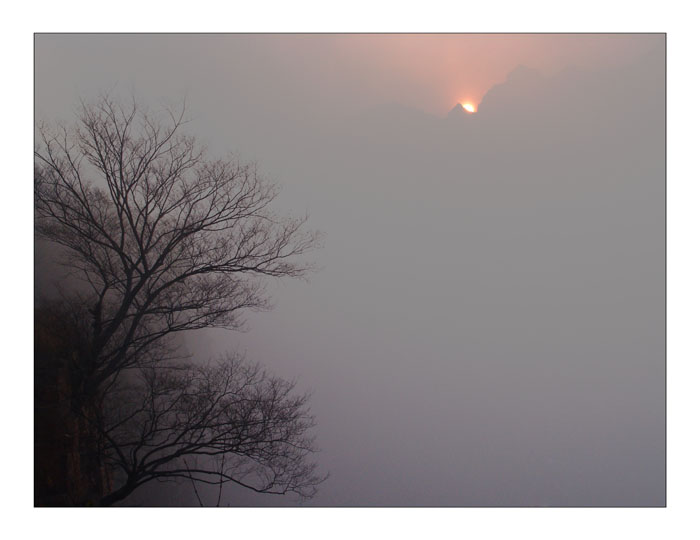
x,y
214,424
163,239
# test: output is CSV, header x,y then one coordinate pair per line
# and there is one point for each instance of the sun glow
x,y
469,107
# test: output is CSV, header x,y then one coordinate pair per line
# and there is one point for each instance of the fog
x,y
486,324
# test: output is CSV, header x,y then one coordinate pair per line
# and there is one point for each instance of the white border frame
x,y
438,16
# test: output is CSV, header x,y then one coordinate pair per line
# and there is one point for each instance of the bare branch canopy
x,y
219,423
164,240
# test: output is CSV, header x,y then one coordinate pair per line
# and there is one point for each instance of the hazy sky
x,y
487,326
281,72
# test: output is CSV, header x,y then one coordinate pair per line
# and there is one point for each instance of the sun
x,y
469,107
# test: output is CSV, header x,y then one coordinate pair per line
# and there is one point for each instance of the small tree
x,y
214,424
163,239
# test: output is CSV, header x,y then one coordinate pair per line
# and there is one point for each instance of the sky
x,y
486,327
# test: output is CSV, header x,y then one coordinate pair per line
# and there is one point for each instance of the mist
x,y
485,326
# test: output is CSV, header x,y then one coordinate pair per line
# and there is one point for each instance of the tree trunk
x,y
118,495
68,457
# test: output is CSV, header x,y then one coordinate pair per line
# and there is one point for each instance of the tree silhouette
x,y
162,240
223,422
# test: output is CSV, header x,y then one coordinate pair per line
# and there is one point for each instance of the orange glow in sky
x,y
431,71
427,72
